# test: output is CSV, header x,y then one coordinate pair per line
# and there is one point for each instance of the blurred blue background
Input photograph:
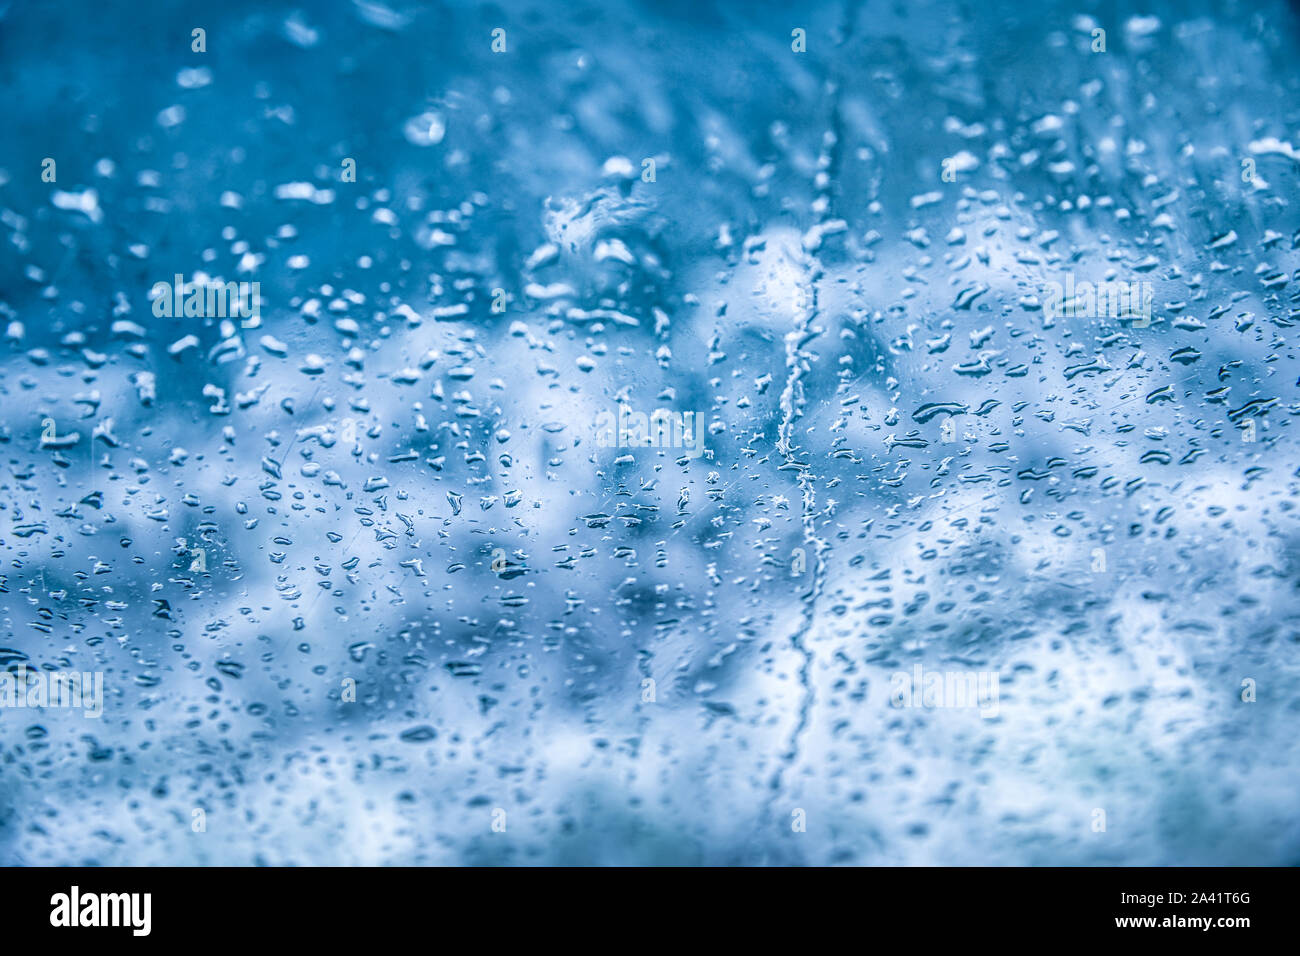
x,y
644,656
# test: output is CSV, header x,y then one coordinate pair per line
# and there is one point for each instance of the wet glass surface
x,y
685,433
